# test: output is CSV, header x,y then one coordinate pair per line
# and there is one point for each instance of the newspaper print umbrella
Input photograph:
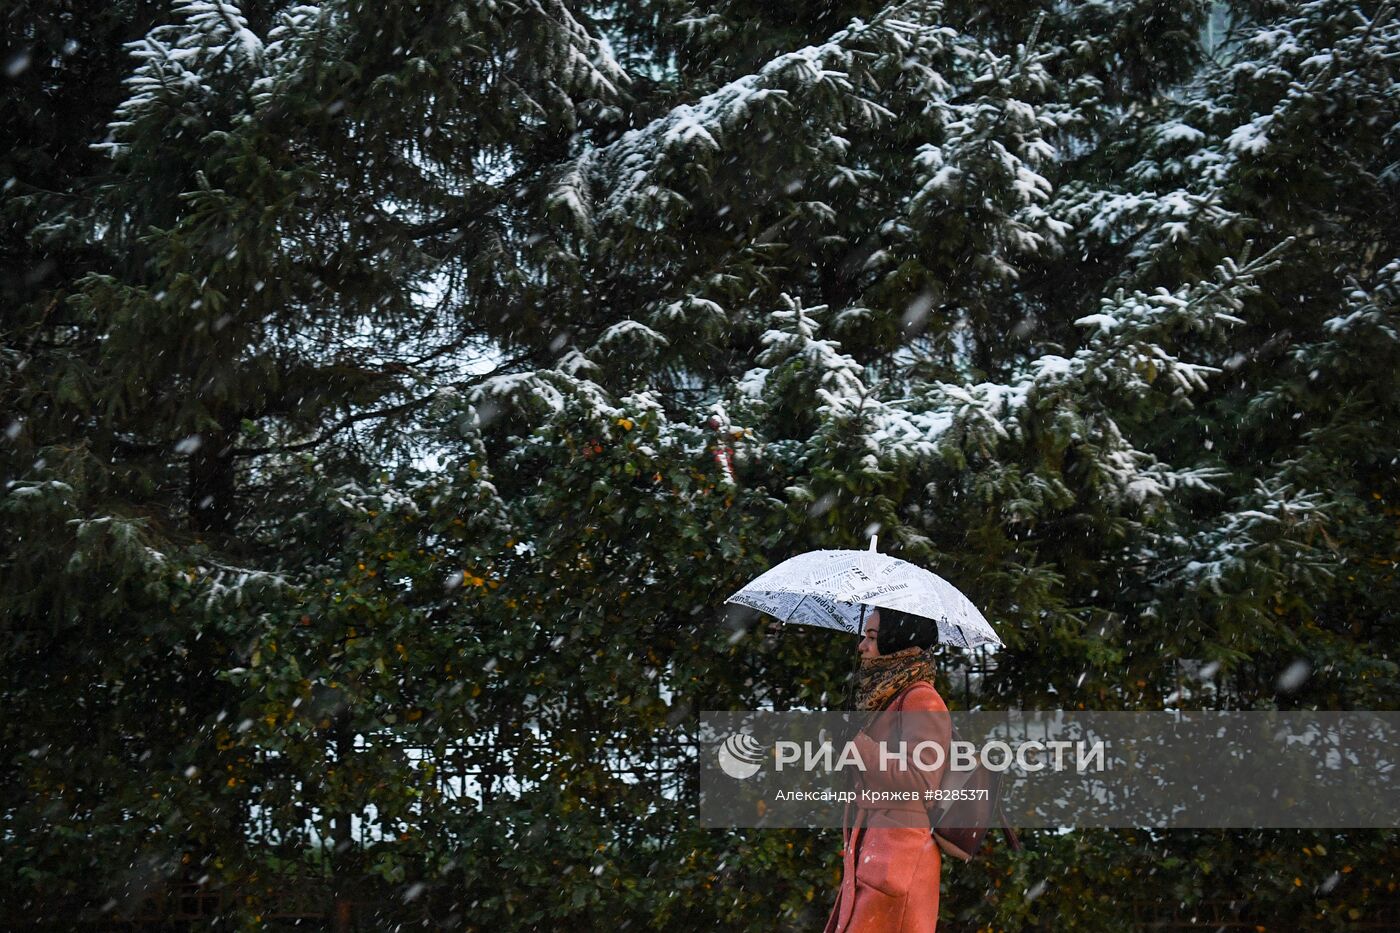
x,y
831,589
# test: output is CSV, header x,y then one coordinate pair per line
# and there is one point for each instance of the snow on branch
x,y
542,391
1265,533
634,169
1121,363
631,337
586,61
180,62
840,383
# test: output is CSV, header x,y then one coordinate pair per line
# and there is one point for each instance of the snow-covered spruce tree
x,y
187,414
1073,308
1283,571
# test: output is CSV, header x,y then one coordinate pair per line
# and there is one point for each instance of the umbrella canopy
x,y
829,588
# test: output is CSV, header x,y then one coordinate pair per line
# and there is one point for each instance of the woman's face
x,y
869,647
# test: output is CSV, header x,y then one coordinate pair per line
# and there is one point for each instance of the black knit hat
x,y
902,629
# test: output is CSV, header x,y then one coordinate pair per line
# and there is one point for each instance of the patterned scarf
x,y
879,680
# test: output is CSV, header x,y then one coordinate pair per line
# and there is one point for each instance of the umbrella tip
x,y
872,543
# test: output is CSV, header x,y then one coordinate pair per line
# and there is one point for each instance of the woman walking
x,y
891,865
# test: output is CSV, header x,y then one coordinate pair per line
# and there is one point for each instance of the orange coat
x,y
891,865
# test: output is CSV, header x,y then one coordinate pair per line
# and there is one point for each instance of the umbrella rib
x,y
797,607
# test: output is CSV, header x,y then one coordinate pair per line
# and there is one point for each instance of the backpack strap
x,y
1011,836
